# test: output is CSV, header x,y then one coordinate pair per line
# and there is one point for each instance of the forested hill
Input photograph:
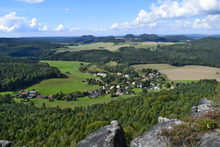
x,y
18,72
201,52
153,37
36,50
21,40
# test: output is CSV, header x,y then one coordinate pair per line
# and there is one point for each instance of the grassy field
x,y
87,47
112,63
66,85
85,101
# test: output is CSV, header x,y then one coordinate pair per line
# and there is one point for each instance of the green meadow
x,y
66,85
84,101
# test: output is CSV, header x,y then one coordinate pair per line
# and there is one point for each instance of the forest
x,y
153,37
31,126
193,53
18,72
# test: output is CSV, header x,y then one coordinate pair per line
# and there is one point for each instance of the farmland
x,y
191,72
83,101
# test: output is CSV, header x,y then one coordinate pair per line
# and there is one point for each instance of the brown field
x,y
165,43
150,43
192,73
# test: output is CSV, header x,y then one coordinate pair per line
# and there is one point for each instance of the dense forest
x,y
200,52
31,126
18,72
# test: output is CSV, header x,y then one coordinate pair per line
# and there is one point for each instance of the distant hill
x,y
20,40
153,37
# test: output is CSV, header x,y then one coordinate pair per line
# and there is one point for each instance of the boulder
x,y
203,107
210,140
4,143
150,138
108,136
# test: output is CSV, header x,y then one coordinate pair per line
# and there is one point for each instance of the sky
x,y
33,18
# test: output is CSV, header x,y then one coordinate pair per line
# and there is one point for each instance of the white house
x,y
102,74
118,86
127,76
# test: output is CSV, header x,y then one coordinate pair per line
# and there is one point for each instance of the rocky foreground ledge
x,y
108,136
113,135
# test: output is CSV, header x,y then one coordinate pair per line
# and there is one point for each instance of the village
x,y
127,84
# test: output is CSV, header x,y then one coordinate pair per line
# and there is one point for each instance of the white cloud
x,y
11,22
171,9
32,1
67,9
60,28
183,24
75,29
98,30
45,28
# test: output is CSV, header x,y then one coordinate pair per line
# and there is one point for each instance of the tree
x,y
31,103
43,105
81,64
144,91
99,83
167,85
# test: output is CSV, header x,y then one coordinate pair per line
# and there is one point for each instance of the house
x,y
133,83
112,87
128,82
118,91
127,76
118,86
40,96
106,92
20,91
152,84
33,92
151,74
172,87
156,88
119,74
126,88
24,93
145,79
96,91
91,91
95,95
121,93
102,74
50,96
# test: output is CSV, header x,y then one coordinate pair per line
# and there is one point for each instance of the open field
x,y
149,43
66,85
84,101
87,47
112,63
191,72
165,43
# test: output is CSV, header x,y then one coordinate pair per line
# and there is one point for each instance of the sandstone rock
x,y
210,140
203,107
4,143
108,136
150,138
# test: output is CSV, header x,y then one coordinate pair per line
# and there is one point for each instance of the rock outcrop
x,y
150,138
210,140
4,143
108,136
203,107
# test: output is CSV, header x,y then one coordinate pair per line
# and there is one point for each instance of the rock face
x,y
203,107
210,140
108,136
150,138
4,143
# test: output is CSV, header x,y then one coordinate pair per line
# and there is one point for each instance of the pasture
x,y
191,72
84,101
66,85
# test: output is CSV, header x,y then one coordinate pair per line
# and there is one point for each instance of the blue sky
x,y
25,18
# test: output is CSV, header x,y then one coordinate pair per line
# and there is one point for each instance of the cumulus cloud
x,y
60,28
45,28
32,1
75,29
11,22
174,9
